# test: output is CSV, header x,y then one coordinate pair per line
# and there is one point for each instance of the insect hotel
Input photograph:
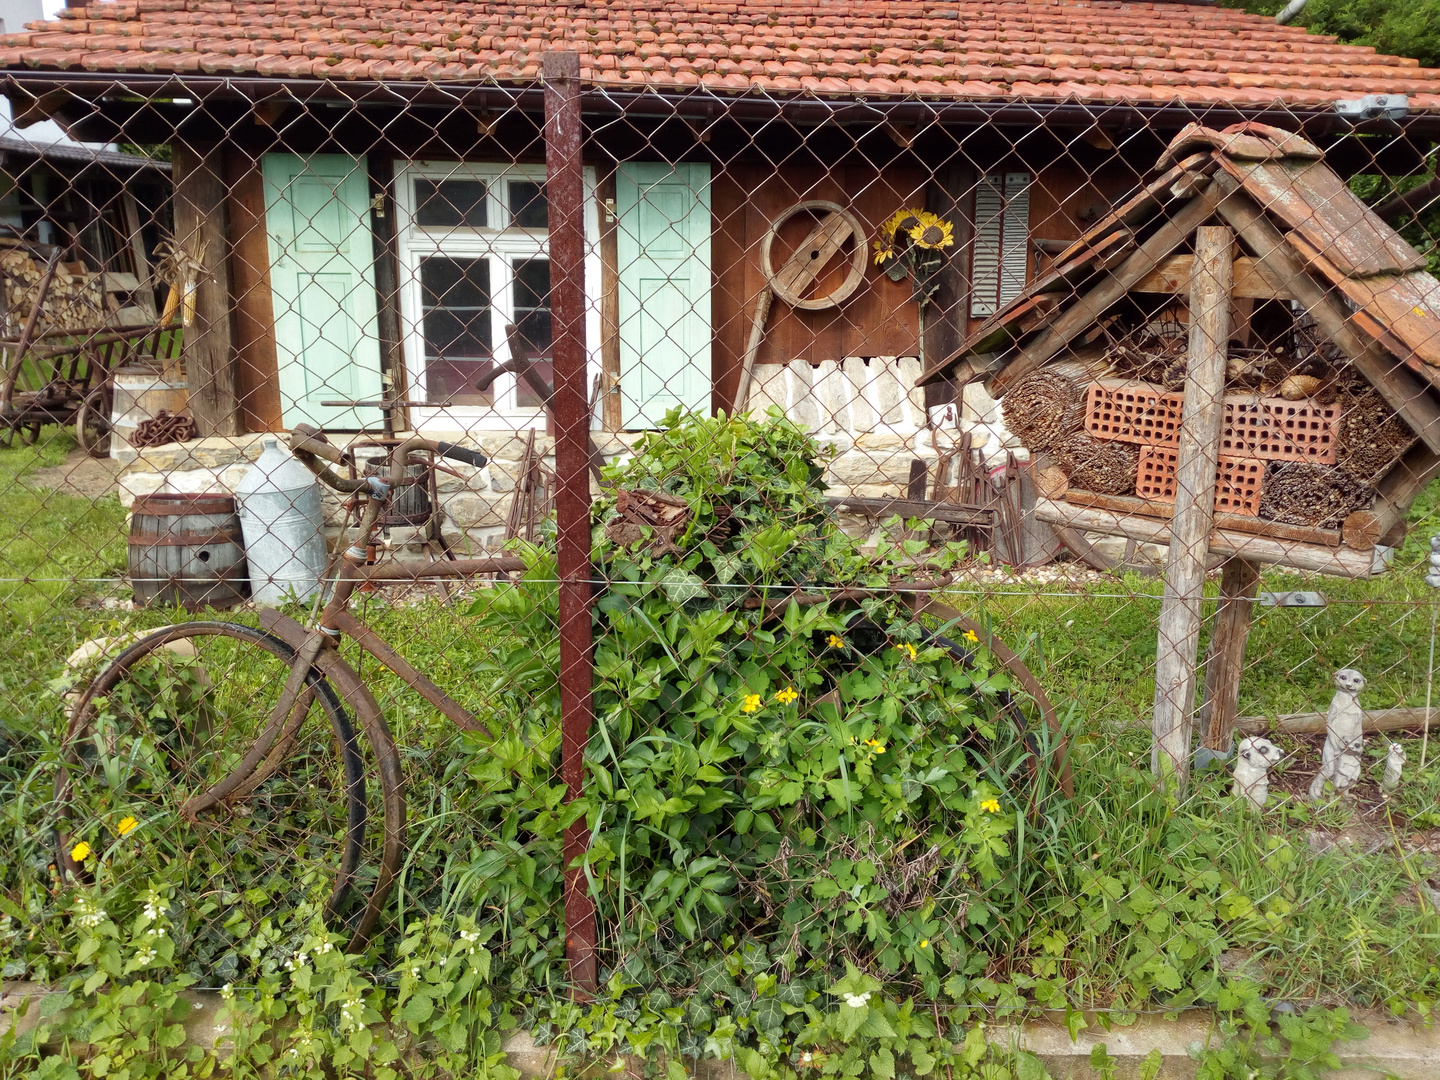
x,y
1242,361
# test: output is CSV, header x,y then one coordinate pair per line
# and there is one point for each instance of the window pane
x,y
450,203
532,317
456,320
528,208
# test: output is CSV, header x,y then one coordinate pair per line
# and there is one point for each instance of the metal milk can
x,y
282,520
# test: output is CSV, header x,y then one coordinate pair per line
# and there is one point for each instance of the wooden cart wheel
x,y
92,423
29,434
824,242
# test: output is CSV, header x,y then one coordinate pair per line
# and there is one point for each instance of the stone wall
x,y
867,412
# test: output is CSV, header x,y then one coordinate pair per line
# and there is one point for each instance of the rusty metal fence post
x,y
566,196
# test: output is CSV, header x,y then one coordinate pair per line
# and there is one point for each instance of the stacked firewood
x,y
74,300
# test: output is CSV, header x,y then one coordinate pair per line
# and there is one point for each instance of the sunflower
x,y
932,232
902,222
884,251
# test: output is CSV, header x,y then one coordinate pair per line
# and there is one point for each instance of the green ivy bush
x,y
828,776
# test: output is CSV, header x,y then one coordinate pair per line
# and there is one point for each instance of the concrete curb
x,y
1394,1049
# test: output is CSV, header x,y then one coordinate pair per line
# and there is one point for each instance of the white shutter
x,y
989,245
1016,250
1002,241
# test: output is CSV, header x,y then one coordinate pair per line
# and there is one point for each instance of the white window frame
x,y
1000,251
504,245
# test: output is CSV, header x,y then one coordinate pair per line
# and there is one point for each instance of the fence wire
x,y
922,448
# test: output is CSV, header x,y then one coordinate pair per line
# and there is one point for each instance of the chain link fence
x,y
943,529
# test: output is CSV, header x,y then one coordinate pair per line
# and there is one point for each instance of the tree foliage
x,y
1394,27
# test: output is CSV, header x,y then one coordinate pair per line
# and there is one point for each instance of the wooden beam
x,y
134,229
201,228
609,304
1225,657
1340,562
954,513
1113,285
257,365
1400,388
1313,723
1199,457
1252,281
1129,504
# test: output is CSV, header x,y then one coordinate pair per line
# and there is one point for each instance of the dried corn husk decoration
x,y
1044,409
1106,468
182,266
1298,493
1371,437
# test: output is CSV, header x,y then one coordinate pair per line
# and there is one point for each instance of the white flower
x,y
856,1001
324,949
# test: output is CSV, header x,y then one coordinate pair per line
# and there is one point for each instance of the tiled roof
x,y
962,49
78,153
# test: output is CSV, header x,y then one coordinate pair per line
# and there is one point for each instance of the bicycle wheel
x,y
195,710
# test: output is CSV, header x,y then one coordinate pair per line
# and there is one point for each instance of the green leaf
x,y
1150,1067
1030,1067
882,1063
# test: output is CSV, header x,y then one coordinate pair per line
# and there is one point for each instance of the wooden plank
x,y
1341,562
950,195
1251,279
385,246
1083,314
257,365
1129,504
1225,657
609,304
1313,723
1199,457
1312,200
913,508
1406,311
1401,390
201,228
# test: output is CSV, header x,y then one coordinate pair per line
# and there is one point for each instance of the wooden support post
x,y
257,364
1225,658
201,229
130,210
1199,452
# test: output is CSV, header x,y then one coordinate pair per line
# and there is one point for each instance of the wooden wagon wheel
x,y
800,271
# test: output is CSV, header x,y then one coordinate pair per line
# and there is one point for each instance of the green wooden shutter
x,y
663,244
323,287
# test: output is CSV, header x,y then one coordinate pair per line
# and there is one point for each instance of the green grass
x,y
1335,926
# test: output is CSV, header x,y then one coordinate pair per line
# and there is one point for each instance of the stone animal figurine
x,y
1344,738
1394,766
1253,760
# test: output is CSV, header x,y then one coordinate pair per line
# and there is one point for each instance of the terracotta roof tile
x,y
1095,50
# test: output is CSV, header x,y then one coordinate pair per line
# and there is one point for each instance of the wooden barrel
x,y
187,550
140,394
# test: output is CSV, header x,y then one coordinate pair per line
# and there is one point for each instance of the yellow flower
x,y
925,943
932,232
751,703
907,648
969,635
883,252
990,806
127,826
902,221
835,641
80,852
786,696
876,745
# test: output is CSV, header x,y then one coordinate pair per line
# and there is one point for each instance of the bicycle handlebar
x,y
309,444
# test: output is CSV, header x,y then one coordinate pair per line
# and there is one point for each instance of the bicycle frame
x,y
336,619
